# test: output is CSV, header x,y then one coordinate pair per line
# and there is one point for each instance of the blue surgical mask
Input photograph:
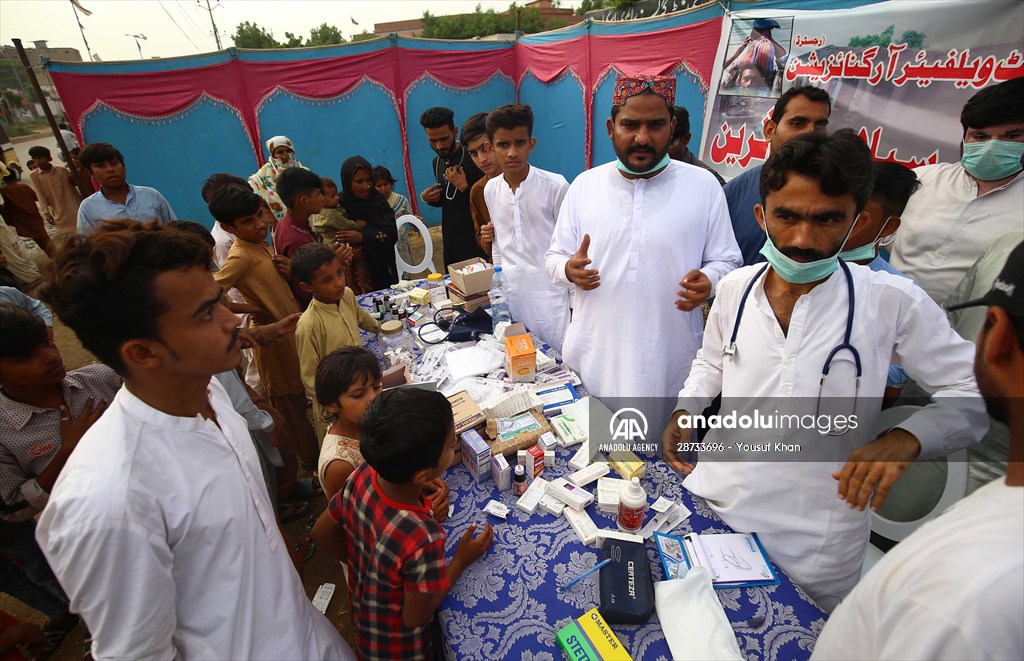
x,y
665,160
866,251
992,160
801,273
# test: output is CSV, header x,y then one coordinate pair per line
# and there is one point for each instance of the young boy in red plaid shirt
x,y
384,529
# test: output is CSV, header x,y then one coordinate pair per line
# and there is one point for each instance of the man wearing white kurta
x,y
523,203
640,224
796,313
160,527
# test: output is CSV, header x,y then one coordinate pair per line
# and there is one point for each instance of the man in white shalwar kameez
x,y
626,233
523,204
809,505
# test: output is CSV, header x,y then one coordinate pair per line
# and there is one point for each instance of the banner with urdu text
x,y
897,72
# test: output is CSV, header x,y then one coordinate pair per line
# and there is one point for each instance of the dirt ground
x,y
318,570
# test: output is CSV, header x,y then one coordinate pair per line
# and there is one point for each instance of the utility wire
x,y
192,25
198,49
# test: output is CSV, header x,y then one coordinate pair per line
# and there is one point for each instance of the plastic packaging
x,y
498,295
519,481
632,504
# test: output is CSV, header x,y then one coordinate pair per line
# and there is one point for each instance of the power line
x,y
198,49
192,24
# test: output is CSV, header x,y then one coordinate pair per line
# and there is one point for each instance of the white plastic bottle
x,y
632,505
498,295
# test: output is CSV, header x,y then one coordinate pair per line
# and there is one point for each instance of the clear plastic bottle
x,y
498,294
435,287
632,505
396,344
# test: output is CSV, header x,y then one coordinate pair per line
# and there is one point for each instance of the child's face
x,y
43,162
252,228
311,202
328,282
354,401
110,173
447,455
331,199
480,151
512,149
362,184
43,367
384,187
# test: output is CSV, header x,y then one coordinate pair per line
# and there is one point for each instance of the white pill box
x,y
581,459
529,501
549,458
570,494
567,430
582,478
547,441
494,508
619,536
582,525
551,505
608,490
501,471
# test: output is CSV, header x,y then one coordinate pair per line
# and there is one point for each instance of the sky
x,y
182,27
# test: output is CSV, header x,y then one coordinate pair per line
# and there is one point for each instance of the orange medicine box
x,y
520,355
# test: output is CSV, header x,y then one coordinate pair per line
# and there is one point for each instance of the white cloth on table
x,y
523,222
161,531
626,337
952,590
946,226
793,505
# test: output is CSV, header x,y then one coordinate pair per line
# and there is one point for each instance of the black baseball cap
x,y
1007,290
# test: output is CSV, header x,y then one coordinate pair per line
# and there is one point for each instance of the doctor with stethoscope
x,y
810,337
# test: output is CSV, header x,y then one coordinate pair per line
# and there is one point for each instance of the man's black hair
x,y
999,104
894,184
219,180
382,173
404,430
617,107
39,151
841,164
233,202
474,127
75,151
103,284
13,173
809,92
192,227
294,182
437,117
682,116
99,152
508,117
308,258
23,331
63,125
340,369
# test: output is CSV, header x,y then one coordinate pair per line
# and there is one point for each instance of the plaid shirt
x,y
392,548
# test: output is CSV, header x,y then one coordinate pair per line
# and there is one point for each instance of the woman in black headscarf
x,y
362,202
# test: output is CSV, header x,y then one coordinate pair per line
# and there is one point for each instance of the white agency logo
x,y
629,429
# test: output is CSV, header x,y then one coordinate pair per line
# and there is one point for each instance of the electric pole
x,y
216,34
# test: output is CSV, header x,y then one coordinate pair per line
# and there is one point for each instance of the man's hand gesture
x,y
575,269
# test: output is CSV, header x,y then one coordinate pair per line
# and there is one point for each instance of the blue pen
x,y
585,574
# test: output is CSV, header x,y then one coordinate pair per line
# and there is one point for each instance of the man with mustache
x,y
633,235
160,527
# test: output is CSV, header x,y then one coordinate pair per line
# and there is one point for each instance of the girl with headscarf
x,y
362,202
264,182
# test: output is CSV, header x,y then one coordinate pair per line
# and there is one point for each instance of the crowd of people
x,y
160,477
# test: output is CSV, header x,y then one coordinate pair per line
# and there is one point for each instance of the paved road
x,y
48,141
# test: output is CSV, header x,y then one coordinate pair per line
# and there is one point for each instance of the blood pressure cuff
x,y
467,327
627,591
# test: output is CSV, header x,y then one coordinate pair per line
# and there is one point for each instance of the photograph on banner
x,y
756,57
897,77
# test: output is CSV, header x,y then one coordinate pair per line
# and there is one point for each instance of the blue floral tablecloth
x,y
507,604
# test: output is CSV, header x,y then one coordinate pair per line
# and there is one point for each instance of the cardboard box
x,y
501,472
589,638
520,354
467,413
467,302
532,459
474,283
476,455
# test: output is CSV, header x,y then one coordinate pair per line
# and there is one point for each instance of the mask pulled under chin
x,y
665,160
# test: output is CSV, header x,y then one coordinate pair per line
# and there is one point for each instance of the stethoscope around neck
x,y
729,351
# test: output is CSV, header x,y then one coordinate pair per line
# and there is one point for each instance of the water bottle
x,y
498,294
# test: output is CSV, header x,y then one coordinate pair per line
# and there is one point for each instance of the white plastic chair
x,y
428,249
956,487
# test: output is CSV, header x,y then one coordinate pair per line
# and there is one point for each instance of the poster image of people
x,y
756,57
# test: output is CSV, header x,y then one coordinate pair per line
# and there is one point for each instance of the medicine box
x,y
501,471
476,455
627,464
520,355
466,412
467,302
589,638
419,296
532,459
471,283
567,430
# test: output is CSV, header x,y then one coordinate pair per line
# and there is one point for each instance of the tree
x,y
363,36
325,35
589,5
291,41
483,23
913,39
250,35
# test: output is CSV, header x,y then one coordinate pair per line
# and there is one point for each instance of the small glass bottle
x,y
519,480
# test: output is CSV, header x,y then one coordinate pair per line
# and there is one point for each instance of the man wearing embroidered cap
x,y
264,182
634,236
